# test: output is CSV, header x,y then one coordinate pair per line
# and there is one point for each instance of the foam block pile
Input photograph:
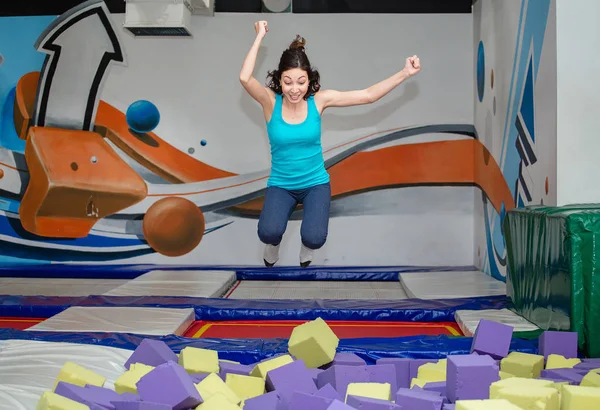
x,y
314,376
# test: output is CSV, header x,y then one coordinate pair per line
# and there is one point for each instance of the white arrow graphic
x,y
81,45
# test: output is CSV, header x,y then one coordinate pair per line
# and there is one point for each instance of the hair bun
x,y
298,43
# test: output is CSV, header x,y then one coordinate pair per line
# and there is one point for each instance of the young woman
x,y
292,104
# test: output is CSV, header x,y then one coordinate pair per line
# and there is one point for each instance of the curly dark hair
x,y
295,57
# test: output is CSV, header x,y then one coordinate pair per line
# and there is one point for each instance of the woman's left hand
x,y
413,65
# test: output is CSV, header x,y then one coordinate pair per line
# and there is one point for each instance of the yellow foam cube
x,y
53,401
592,379
516,382
504,375
381,391
432,372
213,384
523,364
245,387
492,404
418,382
556,361
580,398
196,360
262,368
217,402
314,342
526,396
79,376
127,382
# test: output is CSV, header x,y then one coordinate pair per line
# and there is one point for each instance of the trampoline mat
x,y
343,329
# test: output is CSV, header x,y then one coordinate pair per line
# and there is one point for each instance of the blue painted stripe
x,y
35,254
512,78
12,227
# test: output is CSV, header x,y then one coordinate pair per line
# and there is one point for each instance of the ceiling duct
x,y
164,18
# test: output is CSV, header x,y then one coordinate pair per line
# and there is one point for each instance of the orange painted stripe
x,y
430,163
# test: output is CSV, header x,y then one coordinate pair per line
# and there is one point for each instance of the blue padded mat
x,y
407,310
380,274
248,351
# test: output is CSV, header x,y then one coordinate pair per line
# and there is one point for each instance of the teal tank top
x,y
296,151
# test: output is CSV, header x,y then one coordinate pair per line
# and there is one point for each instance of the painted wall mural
x,y
84,181
513,110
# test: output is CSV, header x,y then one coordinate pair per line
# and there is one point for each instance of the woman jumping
x,y
293,103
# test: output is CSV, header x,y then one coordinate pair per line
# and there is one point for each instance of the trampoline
x,y
199,307
343,329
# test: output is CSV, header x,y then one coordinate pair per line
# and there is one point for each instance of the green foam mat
x,y
553,257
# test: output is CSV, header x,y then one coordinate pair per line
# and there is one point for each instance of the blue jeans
x,y
280,204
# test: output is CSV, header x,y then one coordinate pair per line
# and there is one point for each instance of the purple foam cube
x,y
233,368
268,401
92,398
402,367
562,343
345,359
383,373
468,377
314,372
556,380
290,378
587,366
140,405
415,399
129,397
104,396
366,403
328,392
341,376
436,387
169,384
433,392
305,401
152,353
336,405
198,377
492,338
572,375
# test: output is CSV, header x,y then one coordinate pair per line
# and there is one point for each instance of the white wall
x,y
578,119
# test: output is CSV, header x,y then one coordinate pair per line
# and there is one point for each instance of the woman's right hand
x,y
261,28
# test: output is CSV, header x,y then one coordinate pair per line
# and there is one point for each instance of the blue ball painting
x,y
142,116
